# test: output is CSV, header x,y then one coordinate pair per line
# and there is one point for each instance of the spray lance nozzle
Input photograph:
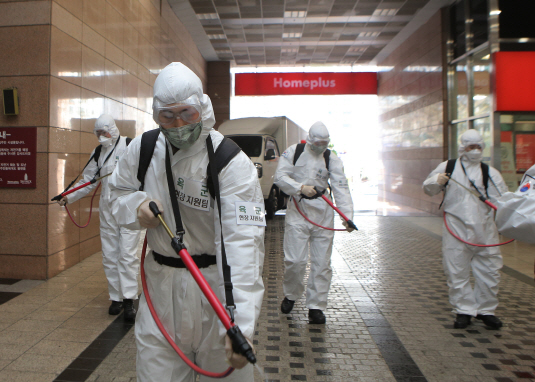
x,y
239,344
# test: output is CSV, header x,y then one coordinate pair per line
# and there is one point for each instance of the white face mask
x,y
474,155
105,141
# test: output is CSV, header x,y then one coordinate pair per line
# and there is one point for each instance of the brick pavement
x,y
388,318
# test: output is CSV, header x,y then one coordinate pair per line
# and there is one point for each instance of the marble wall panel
x,y
90,247
23,267
33,96
65,57
23,229
82,58
33,59
62,260
66,21
62,233
25,13
412,126
62,169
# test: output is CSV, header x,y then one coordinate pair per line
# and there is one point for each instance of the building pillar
x,y
218,89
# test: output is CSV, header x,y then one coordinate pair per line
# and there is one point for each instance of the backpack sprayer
x,y
239,343
485,200
65,193
342,215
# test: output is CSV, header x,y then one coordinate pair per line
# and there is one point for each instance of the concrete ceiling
x,y
301,32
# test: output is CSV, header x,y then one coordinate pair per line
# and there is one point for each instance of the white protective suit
x,y
180,304
473,221
516,210
119,244
310,170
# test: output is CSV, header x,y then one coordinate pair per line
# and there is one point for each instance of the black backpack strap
x,y
298,151
95,156
226,150
148,143
485,173
108,157
450,166
327,157
172,194
213,167
128,140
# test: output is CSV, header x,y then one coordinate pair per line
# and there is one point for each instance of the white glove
x,y
347,227
235,360
146,217
442,179
308,191
63,201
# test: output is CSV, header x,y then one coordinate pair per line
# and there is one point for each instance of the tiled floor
x,y
388,318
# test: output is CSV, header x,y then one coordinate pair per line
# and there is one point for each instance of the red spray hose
x,y
162,328
90,208
472,244
349,222
65,193
240,344
311,222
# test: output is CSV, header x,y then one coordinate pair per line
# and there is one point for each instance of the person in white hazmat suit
x,y
473,221
119,244
186,118
516,210
309,171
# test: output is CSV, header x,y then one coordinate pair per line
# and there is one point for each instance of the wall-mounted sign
x,y
515,81
525,151
18,158
253,84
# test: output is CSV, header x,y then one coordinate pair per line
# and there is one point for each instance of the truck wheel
x,y
271,204
282,201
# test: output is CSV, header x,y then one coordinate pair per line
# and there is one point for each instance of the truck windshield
x,y
250,144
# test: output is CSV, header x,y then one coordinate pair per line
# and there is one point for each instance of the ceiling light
x,y
289,50
495,13
523,39
216,36
385,11
356,49
295,14
223,51
291,35
369,34
207,16
486,57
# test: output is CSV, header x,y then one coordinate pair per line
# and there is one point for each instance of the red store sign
x,y
253,84
18,158
515,81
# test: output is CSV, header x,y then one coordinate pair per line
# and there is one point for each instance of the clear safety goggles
x,y
321,143
473,147
98,133
189,111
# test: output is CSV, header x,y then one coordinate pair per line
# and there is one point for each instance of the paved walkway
x,y
388,318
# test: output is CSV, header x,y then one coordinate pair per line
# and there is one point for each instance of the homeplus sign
x,y
249,84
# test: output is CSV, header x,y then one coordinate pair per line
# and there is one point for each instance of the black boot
x,y
316,316
462,321
492,322
287,305
115,308
129,310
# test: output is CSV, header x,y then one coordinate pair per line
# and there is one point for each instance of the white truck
x,y
263,140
